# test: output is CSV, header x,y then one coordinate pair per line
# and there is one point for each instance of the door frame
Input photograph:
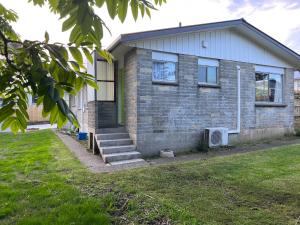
x,y
115,100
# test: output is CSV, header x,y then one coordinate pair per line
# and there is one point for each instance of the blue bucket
x,y
82,136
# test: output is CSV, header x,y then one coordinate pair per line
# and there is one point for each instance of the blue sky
x,y
278,18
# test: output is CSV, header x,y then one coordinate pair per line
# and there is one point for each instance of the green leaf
x,y
53,115
69,23
75,34
75,65
48,104
92,83
88,55
122,9
21,119
23,107
134,9
64,53
142,9
106,55
84,18
46,37
79,83
7,122
111,8
99,3
6,111
148,12
76,55
14,126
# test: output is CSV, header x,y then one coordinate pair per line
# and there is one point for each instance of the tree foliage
x,y
49,70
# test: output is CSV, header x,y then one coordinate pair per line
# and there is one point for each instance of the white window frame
x,y
271,70
282,87
162,57
208,63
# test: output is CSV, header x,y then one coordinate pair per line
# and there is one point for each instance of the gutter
x,y
238,123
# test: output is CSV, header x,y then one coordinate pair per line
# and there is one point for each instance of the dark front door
x,y
106,95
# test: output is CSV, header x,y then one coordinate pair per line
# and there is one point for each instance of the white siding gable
x,y
219,44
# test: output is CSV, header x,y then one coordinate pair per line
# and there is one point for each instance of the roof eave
x,y
125,38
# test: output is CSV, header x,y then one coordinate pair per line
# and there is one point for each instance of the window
x,y
208,71
164,67
105,81
268,87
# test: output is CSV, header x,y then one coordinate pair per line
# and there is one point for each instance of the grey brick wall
x,y
174,117
131,94
91,115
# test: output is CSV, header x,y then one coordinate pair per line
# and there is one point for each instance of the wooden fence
x,y
35,114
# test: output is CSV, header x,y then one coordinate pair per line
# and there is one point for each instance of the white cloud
x,y
278,18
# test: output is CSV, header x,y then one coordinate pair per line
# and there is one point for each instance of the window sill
x,y
165,83
209,85
269,104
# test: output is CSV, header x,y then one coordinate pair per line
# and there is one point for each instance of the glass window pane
x,y
164,71
106,91
157,71
202,74
275,88
170,71
212,75
261,87
105,71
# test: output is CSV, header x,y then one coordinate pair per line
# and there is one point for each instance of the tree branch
x,y
6,53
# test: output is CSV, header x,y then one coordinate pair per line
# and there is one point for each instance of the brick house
x,y
166,86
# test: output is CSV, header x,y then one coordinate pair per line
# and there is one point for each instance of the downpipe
x,y
238,123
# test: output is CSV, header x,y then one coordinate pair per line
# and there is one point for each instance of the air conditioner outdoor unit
x,y
217,136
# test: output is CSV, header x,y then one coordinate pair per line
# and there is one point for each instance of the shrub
x,y
202,146
297,132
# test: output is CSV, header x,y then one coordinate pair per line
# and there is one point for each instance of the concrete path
x,y
92,162
224,151
96,164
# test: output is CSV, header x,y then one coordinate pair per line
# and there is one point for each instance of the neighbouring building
x,y
166,86
297,86
34,111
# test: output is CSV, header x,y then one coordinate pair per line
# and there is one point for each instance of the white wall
x,y
90,90
220,44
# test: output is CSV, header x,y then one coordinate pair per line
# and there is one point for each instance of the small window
x,y
164,67
208,71
268,87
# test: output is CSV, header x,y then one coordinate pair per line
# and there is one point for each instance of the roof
x,y
239,23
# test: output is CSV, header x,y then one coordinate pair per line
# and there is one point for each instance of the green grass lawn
x,y
42,183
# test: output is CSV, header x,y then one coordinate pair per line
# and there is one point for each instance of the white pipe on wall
x,y
238,122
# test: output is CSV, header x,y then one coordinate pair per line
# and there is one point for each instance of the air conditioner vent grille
x,y
216,137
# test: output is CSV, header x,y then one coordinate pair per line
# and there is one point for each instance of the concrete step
x,y
108,158
117,149
111,130
116,142
135,162
111,136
